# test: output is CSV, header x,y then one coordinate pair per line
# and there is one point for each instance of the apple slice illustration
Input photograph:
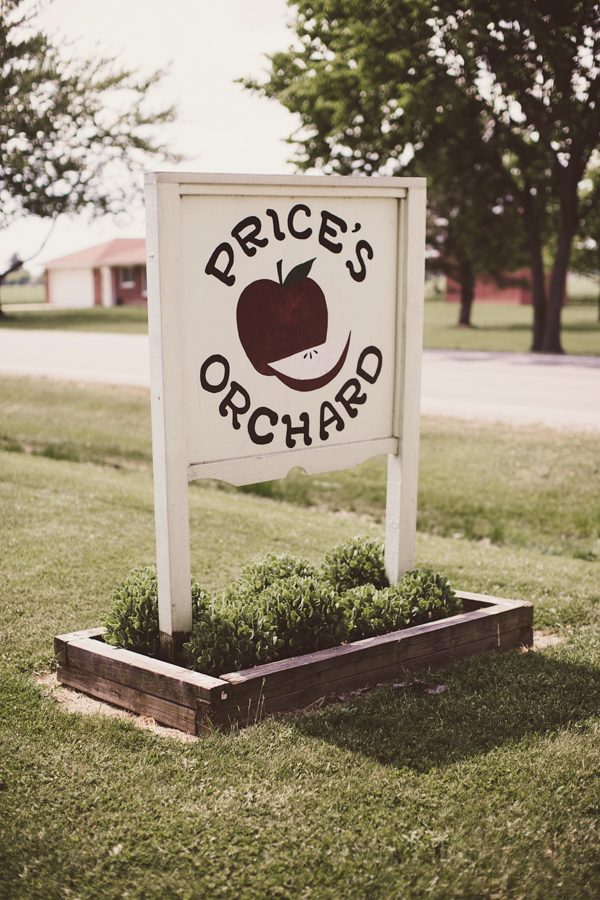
x,y
282,327
314,368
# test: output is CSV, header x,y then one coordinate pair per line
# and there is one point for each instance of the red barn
x,y
515,288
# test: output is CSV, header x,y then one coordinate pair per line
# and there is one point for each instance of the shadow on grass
x,y
489,702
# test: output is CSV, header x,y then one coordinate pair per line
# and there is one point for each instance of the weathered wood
x,y
152,676
61,641
199,703
375,652
248,708
163,711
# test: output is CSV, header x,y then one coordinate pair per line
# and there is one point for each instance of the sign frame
x,y
172,469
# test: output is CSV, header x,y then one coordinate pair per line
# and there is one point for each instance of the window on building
x,y
126,277
143,281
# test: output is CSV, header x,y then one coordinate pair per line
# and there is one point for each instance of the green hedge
x,y
282,606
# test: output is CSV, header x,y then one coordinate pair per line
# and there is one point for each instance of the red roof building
x,y
109,274
514,287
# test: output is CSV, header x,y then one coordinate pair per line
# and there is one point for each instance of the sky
x,y
220,126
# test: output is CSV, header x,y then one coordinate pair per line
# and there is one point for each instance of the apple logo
x,y
283,329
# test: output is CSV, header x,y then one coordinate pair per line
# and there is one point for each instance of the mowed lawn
x,y
489,789
502,327
498,327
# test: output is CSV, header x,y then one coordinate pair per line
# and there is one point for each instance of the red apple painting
x,y
283,329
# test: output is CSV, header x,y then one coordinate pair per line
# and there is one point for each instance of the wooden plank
x,y
168,417
61,641
152,676
402,477
163,711
361,655
252,708
360,662
304,183
483,599
197,703
245,470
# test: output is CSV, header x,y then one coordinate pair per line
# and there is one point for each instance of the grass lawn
x,y
490,789
22,293
503,327
121,319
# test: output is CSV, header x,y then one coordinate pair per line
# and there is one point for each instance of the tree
x,y
373,83
72,132
473,221
586,250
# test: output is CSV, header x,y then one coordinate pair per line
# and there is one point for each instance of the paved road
x,y
517,388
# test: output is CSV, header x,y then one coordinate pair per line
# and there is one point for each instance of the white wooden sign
x,y
285,319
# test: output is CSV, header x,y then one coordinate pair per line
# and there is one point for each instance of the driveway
x,y
515,388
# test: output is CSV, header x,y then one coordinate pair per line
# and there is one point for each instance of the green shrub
x,y
277,608
420,596
304,613
132,620
370,611
428,595
356,562
260,575
225,640
281,607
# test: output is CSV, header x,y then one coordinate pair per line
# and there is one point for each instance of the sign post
x,y
285,323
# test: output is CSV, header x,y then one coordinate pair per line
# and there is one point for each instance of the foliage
x,y
371,611
586,251
277,608
260,575
224,640
427,595
503,96
355,562
304,613
280,607
71,131
420,596
132,620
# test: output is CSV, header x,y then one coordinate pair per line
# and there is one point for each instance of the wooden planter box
x,y
197,703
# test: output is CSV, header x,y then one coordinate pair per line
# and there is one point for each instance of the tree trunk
x,y
467,293
598,263
558,281
538,285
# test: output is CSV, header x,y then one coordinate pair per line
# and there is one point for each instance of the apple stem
x,y
280,271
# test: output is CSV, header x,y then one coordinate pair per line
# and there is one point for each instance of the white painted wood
x,y
183,179
324,459
194,317
275,190
402,482
363,311
165,330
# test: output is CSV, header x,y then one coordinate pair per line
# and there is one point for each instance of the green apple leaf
x,y
298,273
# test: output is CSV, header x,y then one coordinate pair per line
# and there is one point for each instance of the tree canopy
x,y
504,93
71,130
